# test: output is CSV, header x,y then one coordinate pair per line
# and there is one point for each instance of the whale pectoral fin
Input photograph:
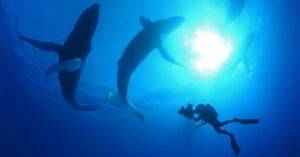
x,y
167,56
53,68
145,21
46,46
69,65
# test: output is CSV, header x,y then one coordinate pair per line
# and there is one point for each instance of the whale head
x,y
169,25
84,27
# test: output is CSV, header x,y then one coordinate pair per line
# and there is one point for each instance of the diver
x,y
208,114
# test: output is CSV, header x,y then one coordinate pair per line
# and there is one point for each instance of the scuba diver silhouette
x,y
209,115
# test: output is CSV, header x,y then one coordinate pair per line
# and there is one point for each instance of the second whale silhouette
x,y
72,54
139,47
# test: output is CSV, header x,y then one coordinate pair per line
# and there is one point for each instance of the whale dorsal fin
x,y
145,21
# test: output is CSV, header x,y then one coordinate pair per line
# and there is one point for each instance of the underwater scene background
x,y
257,77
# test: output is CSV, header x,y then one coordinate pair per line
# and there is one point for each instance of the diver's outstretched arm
x,y
242,121
197,119
203,123
46,46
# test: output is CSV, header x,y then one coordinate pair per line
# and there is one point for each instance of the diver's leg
x,y
220,131
228,121
46,46
233,142
242,121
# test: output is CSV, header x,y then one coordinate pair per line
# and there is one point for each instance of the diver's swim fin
x,y
69,65
248,121
234,145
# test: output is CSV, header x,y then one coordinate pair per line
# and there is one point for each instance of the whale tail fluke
x,y
135,111
115,99
76,106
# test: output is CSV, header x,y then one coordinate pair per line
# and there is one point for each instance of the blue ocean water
x,y
35,120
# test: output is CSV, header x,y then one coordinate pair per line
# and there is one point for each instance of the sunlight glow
x,y
209,50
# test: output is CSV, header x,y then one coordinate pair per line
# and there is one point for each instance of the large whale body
x,y
72,54
148,39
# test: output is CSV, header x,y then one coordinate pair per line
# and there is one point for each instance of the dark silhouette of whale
x,y
72,54
140,46
233,10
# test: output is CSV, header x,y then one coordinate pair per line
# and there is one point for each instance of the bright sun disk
x,y
210,50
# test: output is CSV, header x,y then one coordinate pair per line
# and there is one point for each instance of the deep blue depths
x,y
35,120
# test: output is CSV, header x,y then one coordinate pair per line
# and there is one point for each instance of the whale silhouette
x,y
148,39
72,54
234,10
